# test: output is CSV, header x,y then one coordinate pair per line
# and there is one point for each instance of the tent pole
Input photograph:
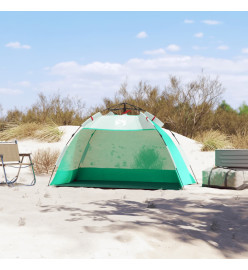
x,y
51,175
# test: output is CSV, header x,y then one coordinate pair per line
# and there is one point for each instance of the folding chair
x,y
10,156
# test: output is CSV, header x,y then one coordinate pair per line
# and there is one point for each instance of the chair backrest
x,y
9,151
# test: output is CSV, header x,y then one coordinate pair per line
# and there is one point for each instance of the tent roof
x,y
119,122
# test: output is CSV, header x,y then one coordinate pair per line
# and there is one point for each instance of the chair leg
x,y
3,168
12,181
19,168
5,175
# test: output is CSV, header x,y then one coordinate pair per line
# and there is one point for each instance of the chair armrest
x,y
24,154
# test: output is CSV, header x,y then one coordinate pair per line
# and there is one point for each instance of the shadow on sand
x,y
222,223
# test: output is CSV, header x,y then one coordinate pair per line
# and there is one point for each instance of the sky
x,y
89,54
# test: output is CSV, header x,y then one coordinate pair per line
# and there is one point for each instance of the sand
x,y
65,222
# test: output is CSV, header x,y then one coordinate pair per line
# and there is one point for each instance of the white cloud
x,y
199,35
142,35
72,68
155,52
173,48
188,21
17,45
223,47
10,91
245,50
211,22
96,80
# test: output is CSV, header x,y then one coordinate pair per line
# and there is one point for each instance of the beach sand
x,y
65,222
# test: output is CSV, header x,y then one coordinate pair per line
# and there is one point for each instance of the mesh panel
x,y
74,152
126,150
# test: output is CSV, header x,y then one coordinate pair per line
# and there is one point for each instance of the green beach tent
x,y
122,151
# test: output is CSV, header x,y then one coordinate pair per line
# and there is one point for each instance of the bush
x,y
45,132
213,139
186,108
44,160
189,109
60,110
243,109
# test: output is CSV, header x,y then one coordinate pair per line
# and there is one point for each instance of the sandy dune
x,y
65,222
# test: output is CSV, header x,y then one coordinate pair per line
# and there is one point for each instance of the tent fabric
x,y
177,157
122,151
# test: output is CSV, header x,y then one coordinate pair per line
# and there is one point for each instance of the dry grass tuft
x,y
213,139
240,141
44,160
41,132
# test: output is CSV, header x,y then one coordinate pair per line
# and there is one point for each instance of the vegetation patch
x,y
41,132
240,141
213,139
188,108
44,160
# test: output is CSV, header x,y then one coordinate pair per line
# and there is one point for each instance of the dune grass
x,y
41,132
213,139
240,141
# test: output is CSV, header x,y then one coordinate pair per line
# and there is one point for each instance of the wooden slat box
x,y
231,158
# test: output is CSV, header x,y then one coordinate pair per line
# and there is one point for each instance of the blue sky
x,y
89,54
